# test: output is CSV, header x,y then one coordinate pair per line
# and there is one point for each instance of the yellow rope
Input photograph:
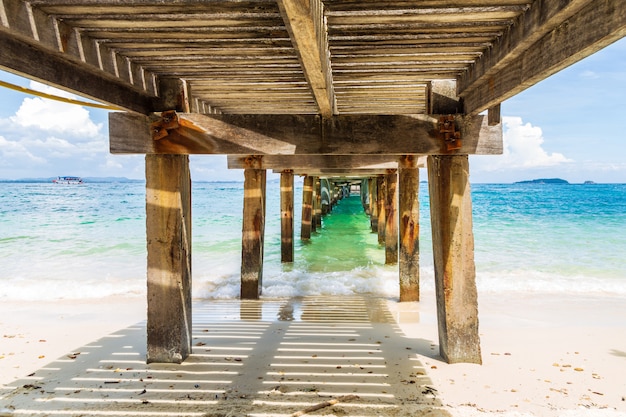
x,y
57,98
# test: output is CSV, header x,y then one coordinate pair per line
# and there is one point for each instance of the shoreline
x,y
543,355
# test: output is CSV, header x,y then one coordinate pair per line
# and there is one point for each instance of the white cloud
x,y
61,118
523,149
46,138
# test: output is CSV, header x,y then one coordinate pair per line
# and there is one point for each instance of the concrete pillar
x,y
409,228
253,231
453,251
168,230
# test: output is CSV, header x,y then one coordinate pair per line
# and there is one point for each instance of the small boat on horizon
x,y
68,180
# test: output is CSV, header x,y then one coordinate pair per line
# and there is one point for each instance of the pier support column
x,y
317,204
381,195
391,221
307,208
168,230
409,265
286,216
253,232
453,252
373,205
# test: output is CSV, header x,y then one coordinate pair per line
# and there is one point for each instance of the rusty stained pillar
x,y
391,218
307,208
373,204
168,231
253,233
286,216
409,228
453,252
381,195
317,203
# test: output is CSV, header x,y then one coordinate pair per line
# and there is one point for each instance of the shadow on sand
x,y
250,358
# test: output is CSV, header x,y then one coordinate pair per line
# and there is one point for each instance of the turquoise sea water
x,y
88,241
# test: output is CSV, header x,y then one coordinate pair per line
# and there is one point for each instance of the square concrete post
x,y
286,216
253,232
168,230
453,251
409,257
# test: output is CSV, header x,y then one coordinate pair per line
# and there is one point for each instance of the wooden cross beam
x,y
303,162
253,134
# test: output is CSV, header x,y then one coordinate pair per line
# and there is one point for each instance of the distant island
x,y
544,181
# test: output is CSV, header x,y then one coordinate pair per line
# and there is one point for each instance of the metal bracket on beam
x,y
167,122
449,134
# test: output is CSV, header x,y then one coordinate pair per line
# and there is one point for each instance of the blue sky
x,y
568,126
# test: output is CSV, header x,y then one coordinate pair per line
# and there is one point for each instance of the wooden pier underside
x,y
343,88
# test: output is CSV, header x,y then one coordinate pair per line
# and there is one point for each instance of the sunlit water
x,y
88,241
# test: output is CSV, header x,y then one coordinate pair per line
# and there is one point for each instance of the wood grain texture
x,y
168,229
253,233
453,253
302,135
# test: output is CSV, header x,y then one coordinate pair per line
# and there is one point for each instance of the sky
x,y
568,126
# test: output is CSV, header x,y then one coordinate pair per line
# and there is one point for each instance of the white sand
x,y
542,355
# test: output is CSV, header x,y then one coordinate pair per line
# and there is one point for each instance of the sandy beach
x,y
542,356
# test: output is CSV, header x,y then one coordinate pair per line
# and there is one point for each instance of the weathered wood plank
x,y
286,216
453,252
253,233
301,134
347,162
539,19
409,264
18,56
592,28
307,208
391,218
168,229
309,39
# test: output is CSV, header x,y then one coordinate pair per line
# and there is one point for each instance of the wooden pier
x,y
326,89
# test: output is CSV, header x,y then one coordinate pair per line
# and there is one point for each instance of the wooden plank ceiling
x,y
326,57
240,57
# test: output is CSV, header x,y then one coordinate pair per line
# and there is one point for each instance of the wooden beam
x,y
286,216
593,27
42,47
307,208
18,57
303,162
301,135
391,220
339,173
168,229
306,25
453,252
540,18
409,265
253,233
